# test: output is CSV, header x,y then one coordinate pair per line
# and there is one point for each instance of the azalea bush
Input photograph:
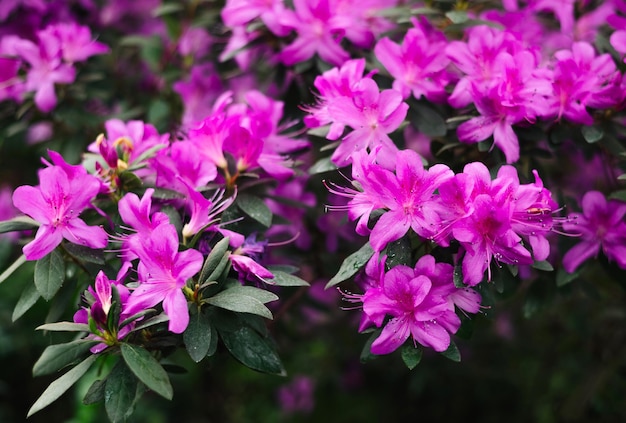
x,y
190,181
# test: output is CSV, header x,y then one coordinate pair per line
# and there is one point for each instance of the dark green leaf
x,y
85,253
252,350
211,268
236,300
120,393
543,265
618,195
198,336
411,356
55,357
147,369
136,316
20,223
129,181
592,134
12,268
95,393
255,208
452,352
457,16
64,327
351,265
428,121
457,276
49,274
61,385
285,279
398,252
167,9
563,278
323,165
366,352
161,318
29,297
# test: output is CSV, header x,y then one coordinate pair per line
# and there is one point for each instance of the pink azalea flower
x,y
56,204
11,85
419,303
181,162
418,65
373,114
319,29
98,310
601,227
163,272
76,42
408,196
198,92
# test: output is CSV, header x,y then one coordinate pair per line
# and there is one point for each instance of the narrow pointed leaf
x,y
64,327
286,279
55,357
411,356
120,393
61,385
252,350
198,336
29,297
255,208
20,223
351,265
49,274
147,369
12,268
212,262
238,301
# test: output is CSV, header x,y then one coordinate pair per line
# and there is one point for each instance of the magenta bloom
x,y
408,195
418,64
99,309
601,226
418,307
320,30
163,272
373,114
56,204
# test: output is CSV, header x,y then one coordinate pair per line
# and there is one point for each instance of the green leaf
x,y
452,352
351,265
20,223
213,266
592,134
64,327
129,181
95,393
161,318
286,279
411,356
147,369
618,195
198,335
563,278
238,300
427,120
29,297
120,393
323,165
85,254
320,131
457,16
61,385
255,208
252,350
136,316
12,268
49,274
55,357
398,252
167,9
543,265
366,352
457,276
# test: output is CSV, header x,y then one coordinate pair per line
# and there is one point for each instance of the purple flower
x,y
297,395
418,64
99,305
373,114
419,303
163,272
56,204
408,195
601,226
319,29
